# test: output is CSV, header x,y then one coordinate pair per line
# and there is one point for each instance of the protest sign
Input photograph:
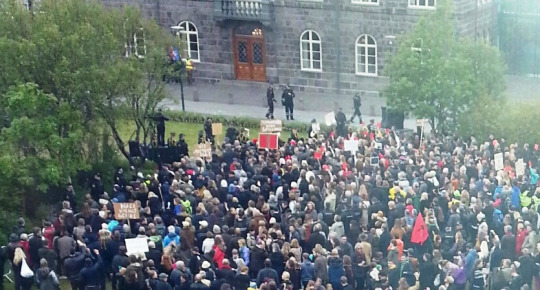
x,y
520,167
217,129
126,211
271,126
136,246
315,127
330,119
268,141
499,162
203,150
351,145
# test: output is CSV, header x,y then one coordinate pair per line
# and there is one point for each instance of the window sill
x,y
311,70
360,3
422,7
367,75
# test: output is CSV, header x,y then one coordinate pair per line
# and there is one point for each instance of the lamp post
x,y
177,30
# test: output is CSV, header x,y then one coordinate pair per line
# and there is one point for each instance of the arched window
x,y
310,51
190,35
366,55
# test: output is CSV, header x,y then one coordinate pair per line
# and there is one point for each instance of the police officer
x,y
287,100
357,102
182,146
208,130
160,119
340,121
271,100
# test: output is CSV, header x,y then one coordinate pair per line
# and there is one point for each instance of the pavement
x,y
248,99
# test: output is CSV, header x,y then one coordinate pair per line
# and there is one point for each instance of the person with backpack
x,y
46,278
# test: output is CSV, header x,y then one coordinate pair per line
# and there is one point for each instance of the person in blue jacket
x,y
90,272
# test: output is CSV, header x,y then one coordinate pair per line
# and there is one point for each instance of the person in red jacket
x,y
48,233
520,237
219,251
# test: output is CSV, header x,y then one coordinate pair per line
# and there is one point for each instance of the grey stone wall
x,y
338,22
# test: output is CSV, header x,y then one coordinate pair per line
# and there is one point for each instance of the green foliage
x,y
439,76
40,148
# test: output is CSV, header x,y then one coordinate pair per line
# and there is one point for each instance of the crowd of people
x,y
307,216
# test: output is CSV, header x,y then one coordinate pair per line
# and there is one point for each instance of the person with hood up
x,y
337,227
171,237
307,270
335,270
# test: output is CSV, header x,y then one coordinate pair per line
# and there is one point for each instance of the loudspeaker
x,y
134,149
395,118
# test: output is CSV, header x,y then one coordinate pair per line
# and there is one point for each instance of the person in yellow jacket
x,y
190,67
524,199
396,189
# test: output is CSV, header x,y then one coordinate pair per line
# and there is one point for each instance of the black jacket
x,y
198,285
267,273
242,282
287,97
73,265
156,284
257,259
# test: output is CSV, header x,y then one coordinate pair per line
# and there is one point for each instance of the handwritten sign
x,y
520,167
217,129
421,122
330,119
126,211
499,162
203,150
271,126
350,145
136,246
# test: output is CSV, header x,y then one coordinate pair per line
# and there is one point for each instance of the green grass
x,y
191,132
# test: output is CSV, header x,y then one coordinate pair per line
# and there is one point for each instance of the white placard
x,y
499,161
520,167
315,127
330,119
136,246
350,145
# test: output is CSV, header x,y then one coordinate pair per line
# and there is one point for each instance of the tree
x,y
101,62
36,150
438,75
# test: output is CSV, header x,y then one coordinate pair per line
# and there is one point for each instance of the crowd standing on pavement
x,y
398,213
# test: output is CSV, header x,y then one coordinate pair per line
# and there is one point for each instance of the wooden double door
x,y
249,55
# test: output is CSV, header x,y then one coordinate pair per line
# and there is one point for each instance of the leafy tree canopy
x,y
438,75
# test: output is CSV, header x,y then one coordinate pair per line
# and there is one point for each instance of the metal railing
x,y
259,10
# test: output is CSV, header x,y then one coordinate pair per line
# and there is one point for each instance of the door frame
x,y
250,40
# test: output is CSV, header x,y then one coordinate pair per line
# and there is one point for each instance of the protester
x,y
400,212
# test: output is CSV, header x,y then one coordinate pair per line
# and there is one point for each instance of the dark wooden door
x,y
249,58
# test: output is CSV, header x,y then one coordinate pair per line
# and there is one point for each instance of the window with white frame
x,y
366,55
370,2
422,3
310,51
190,35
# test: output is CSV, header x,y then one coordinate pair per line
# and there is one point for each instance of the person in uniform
x,y
271,100
208,130
182,146
357,103
341,129
287,100
190,67
160,119
231,133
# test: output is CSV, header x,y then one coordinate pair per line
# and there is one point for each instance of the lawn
x,y
191,132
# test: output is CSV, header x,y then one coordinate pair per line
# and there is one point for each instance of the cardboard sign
x,y
421,122
136,246
316,127
330,119
271,126
217,129
499,161
520,167
350,145
126,211
202,150
268,141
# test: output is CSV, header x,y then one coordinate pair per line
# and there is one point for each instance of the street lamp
x,y
178,30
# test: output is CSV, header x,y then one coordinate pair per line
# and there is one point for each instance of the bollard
x,y
195,95
372,110
231,99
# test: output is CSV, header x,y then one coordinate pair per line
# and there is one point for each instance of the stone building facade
x,y
328,46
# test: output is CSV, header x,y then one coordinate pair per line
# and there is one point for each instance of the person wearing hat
x,y
158,282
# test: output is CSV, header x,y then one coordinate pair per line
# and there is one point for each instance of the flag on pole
x,y
420,233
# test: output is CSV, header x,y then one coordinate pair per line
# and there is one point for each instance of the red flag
x,y
420,233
